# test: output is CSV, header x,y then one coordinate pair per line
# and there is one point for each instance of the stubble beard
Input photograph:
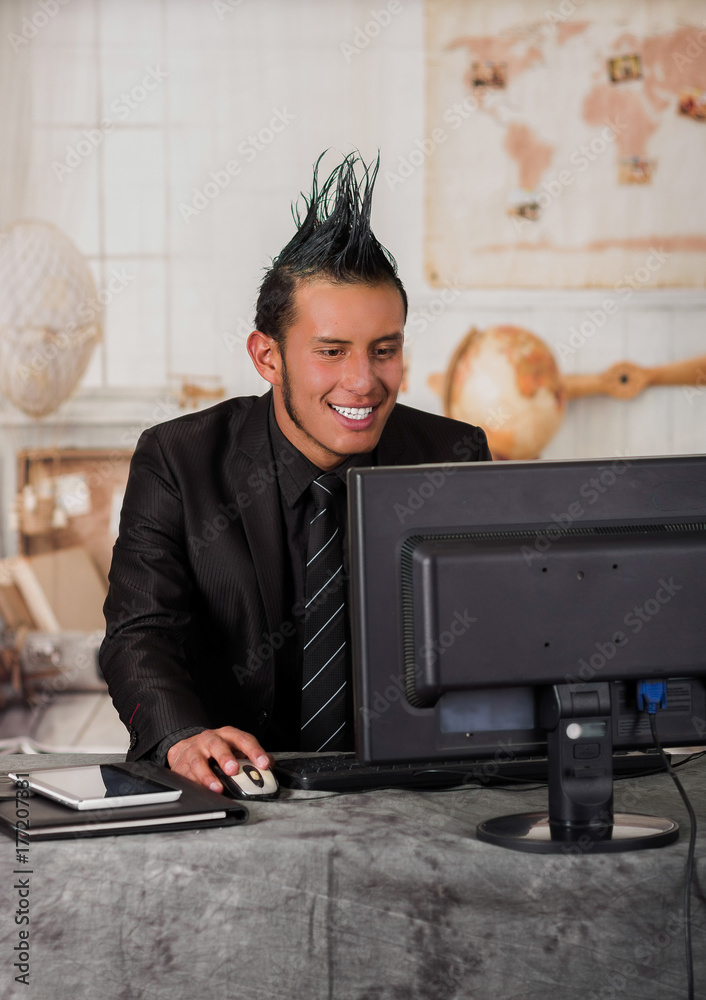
x,y
291,411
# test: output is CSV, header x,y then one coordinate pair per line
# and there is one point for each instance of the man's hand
x,y
190,757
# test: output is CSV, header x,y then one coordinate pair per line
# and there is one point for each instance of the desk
x,y
381,896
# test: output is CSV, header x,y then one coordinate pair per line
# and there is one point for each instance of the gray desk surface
x,y
381,896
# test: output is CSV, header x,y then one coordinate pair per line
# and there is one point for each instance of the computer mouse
x,y
249,783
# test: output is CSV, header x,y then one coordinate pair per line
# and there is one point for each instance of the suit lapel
x,y
394,446
254,481
253,474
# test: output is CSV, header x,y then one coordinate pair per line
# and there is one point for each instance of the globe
x,y
506,380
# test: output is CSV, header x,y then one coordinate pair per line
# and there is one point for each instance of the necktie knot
x,y
325,489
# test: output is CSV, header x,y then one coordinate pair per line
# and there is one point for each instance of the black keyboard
x,y
344,773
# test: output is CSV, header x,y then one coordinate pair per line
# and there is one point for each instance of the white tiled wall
x,y
231,67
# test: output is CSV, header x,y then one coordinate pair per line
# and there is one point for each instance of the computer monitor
x,y
507,609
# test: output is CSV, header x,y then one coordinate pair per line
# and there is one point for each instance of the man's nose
x,y
358,374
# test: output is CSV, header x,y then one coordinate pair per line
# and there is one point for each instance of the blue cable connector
x,y
651,695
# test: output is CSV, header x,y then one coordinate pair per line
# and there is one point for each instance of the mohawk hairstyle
x,y
333,242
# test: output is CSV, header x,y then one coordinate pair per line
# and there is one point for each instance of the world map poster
x,y
565,143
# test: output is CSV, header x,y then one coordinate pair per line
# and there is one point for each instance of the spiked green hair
x,y
333,242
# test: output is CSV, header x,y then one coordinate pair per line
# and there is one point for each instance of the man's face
x,y
340,370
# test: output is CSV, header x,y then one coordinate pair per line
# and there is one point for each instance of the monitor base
x,y
532,832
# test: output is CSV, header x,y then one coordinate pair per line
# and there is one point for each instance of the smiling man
x,y
227,626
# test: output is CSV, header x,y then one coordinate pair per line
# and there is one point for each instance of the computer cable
x,y
652,695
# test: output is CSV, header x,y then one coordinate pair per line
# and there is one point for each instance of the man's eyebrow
x,y
340,340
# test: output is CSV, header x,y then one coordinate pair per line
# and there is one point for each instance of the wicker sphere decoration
x,y
50,316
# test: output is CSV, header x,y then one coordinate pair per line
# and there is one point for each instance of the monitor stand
x,y
580,819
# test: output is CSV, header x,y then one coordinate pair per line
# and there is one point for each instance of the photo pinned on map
x,y
486,73
624,68
524,205
635,170
692,103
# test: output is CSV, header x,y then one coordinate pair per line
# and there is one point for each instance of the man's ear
x,y
266,356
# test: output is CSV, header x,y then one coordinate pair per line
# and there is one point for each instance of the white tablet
x,y
97,786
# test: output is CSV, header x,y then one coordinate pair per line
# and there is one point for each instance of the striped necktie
x,y
323,718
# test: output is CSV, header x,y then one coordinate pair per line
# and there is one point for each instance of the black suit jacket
x,y
195,614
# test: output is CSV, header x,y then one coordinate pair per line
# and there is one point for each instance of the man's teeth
x,y
353,412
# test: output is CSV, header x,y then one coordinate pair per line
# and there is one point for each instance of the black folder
x,y
196,808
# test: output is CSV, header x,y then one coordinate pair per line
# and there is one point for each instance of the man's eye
x,y
331,352
386,352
